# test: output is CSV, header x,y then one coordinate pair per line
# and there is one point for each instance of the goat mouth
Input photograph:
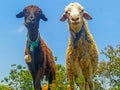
x,y
75,23
32,23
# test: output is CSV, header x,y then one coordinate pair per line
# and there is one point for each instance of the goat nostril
x,y
33,20
31,17
72,19
75,19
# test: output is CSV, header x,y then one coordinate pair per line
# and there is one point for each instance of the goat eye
x,y
37,12
81,11
66,11
27,13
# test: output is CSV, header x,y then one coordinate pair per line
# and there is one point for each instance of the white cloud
x,y
21,28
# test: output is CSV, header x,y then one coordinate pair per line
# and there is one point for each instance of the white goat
x,y
82,52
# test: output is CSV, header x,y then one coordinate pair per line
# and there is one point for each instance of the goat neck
x,y
75,36
33,34
75,28
33,39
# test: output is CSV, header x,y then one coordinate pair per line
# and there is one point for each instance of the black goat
x,y
38,56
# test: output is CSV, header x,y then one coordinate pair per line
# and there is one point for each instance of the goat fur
x,y
38,56
78,65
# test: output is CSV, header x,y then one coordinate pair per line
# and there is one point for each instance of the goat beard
x,y
32,26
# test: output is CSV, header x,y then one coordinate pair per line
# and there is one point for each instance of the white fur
x,y
27,58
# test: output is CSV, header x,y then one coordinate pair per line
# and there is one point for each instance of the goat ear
x,y
64,17
20,15
43,17
87,16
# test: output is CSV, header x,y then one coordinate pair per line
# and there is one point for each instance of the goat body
x,y
42,62
80,67
38,56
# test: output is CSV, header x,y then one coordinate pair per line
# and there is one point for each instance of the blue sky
x,y
105,27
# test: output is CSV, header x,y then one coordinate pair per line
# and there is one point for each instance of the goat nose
x,y
75,18
32,18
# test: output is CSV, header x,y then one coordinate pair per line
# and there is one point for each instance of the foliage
x,y
19,78
81,79
5,87
61,82
108,73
